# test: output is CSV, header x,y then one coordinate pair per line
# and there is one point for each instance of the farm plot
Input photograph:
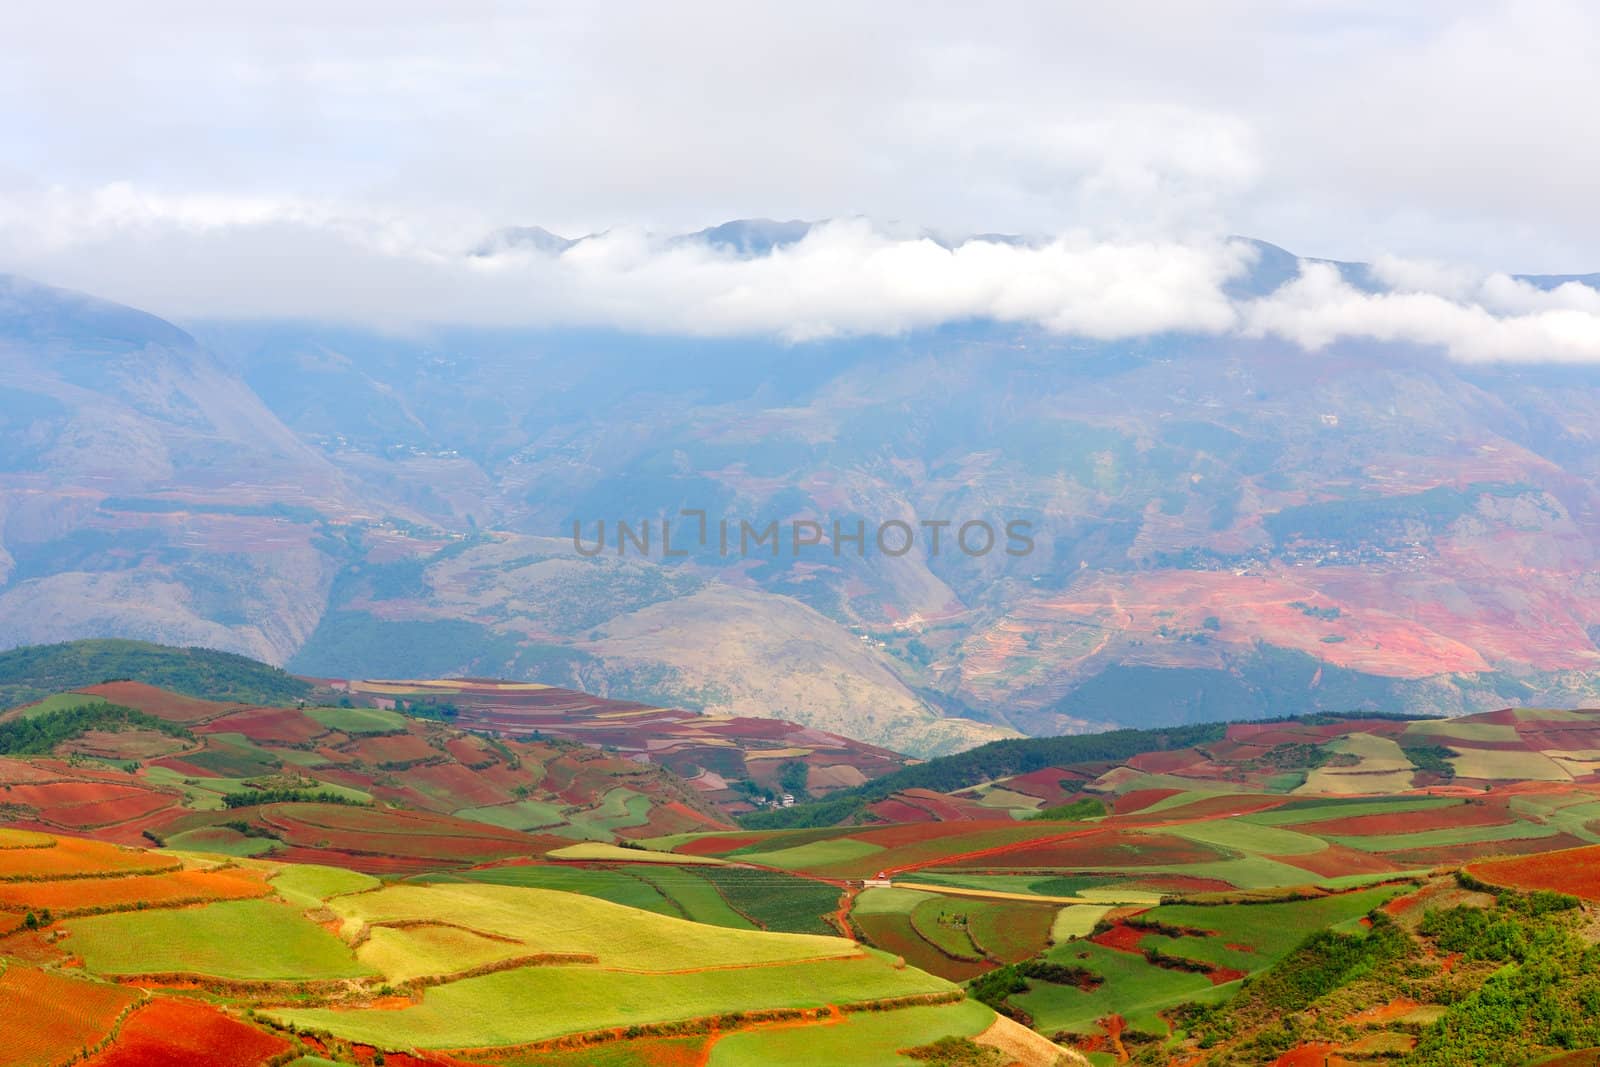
x,y
1254,838
884,918
1133,988
599,882
864,1038
1382,767
776,901
167,1031
1575,871
694,897
134,891
535,1003
74,857
309,884
552,922
356,721
49,1018
246,940
390,832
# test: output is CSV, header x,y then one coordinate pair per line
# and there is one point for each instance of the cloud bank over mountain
x,y
839,278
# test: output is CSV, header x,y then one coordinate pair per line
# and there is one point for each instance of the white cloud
x,y
1320,308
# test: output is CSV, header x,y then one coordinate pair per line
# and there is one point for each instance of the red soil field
x,y
466,788
133,805
1338,860
1122,937
1319,1054
49,1018
719,844
893,810
1045,784
166,1032
75,893
76,856
158,702
1491,813
285,725
61,794
1164,762
400,748
1575,871
1427,857
399,834
1139,799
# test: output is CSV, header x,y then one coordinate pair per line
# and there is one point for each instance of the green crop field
x,y
1457,835
359,720
1462,731
1264,932
775,900
1309,811
889,901
59,702
1249,837
309,884
862,1039
815,854
943,922
533,1003
242,939
695,897
1134,988
1508,766
418,951
519,815
563,922
602,883
220,840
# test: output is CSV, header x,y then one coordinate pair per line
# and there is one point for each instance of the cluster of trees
x,y
252,797
40,734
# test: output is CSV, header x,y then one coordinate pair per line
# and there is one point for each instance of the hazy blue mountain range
x,y
1222,527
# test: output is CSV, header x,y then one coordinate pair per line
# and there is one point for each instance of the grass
x,y
358,720
1249,837
534,1003
309,884
563,922
245,939
862,1039
775,900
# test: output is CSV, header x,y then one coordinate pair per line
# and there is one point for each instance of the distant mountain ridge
x,y
1224,527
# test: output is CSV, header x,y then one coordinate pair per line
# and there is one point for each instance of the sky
x,y
343,160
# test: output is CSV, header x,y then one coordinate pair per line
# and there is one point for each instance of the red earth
x,y
1575,871
167,1031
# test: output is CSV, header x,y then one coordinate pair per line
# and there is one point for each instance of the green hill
x,y
35,671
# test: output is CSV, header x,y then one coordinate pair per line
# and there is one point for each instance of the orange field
x,y
48,1018
76,857
77,893
1574,870
166,1032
